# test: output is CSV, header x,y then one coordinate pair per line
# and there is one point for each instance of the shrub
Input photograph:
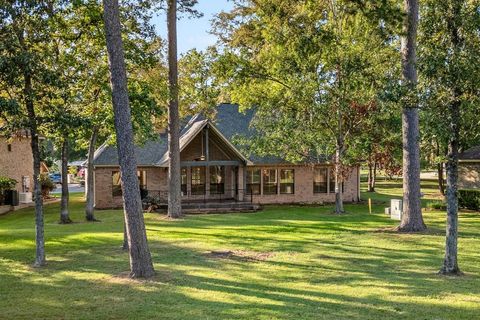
x,y
469,199
46,183
437,205
7,183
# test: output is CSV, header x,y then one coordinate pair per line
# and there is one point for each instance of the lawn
x,y
284,263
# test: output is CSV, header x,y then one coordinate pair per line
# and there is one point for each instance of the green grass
x,y
289,263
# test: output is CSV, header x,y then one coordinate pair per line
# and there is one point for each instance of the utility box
x,y
25,197
396,209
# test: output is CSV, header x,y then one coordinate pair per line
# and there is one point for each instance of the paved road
x,y
71,188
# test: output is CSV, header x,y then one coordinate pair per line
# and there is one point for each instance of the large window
x,y
320,180
217,179
287,181
270,181
253,181
198,180
184,181
116,184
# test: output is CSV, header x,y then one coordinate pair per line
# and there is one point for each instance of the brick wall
x,y
469,175
156,180
18,162
303,188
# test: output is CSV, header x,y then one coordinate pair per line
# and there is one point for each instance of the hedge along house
x,y
213,168
469,169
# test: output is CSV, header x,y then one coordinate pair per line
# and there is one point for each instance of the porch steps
x,y
216,207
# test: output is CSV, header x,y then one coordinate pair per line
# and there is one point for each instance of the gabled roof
x,y
155,152
228,124
472,154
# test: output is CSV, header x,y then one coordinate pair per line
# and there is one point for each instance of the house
x,y
469,169
16,161
214,168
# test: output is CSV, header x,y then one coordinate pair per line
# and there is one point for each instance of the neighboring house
x,y
469,169
214,168
16,161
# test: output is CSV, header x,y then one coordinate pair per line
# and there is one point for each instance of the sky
x,y
193,33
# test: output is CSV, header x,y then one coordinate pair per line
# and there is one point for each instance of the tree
x,y
412,219
27,80
140,259
319,63
450,76
174,192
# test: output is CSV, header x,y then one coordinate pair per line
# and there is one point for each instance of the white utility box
x,y
25,197
396,209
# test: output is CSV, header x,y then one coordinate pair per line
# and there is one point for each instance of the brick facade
x,y
469,175
16,161
303,186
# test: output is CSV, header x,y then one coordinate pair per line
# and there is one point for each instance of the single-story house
x,y
469,169
16,160
214,168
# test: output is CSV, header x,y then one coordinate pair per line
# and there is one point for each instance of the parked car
x,y
55,177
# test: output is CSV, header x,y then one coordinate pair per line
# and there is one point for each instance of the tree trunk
x,y
371,181
441,186
412,219
374,178
89,177
140,259
64,216
40,259
450,263
174,194
338,178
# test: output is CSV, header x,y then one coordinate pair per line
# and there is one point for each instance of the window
x,y
116,184
142,179
198,180
184,181
253,181
287,181
269,181
217,179
320,180
9,147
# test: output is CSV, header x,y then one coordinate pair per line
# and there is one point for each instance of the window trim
x,y
269,184
251,183
292,184
317,184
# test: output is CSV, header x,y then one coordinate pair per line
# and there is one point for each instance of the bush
x,y
469,199
7,183
46,183
437,205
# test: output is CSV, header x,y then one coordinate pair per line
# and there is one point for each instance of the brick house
x,y
469,169
16,161
214,168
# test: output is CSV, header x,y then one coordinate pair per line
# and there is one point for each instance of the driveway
x,y
71,188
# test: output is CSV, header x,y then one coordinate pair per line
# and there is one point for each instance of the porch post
x,y
241,182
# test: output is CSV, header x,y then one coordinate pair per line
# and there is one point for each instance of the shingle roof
x,y
228,120
471,154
